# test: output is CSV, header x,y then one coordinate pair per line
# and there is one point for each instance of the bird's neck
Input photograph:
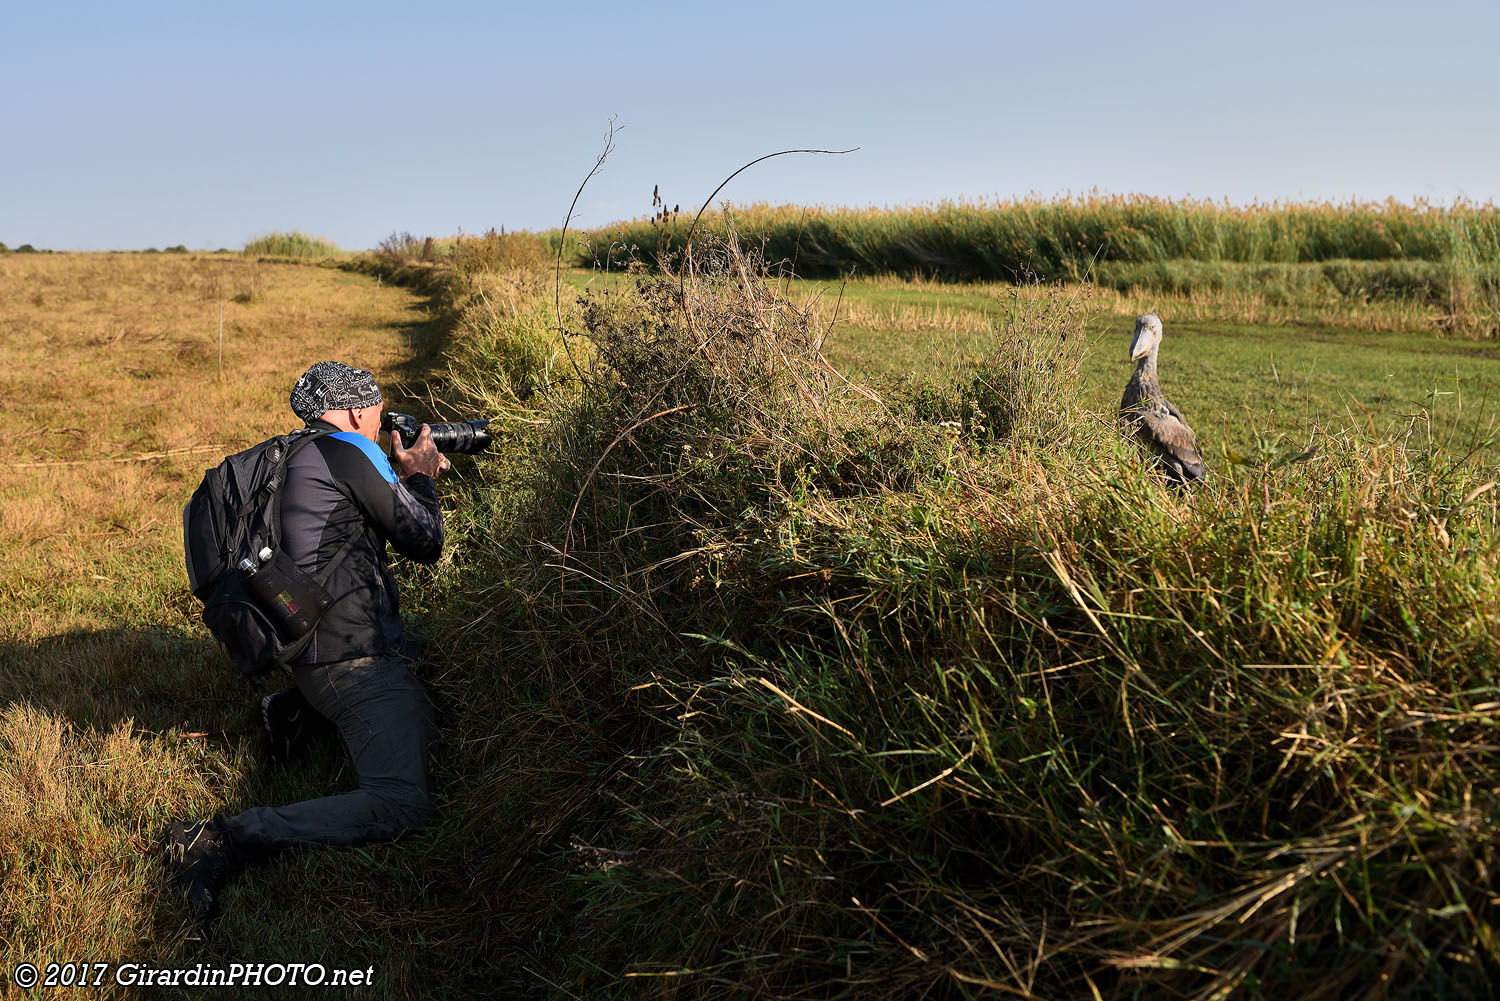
x,y
1146,367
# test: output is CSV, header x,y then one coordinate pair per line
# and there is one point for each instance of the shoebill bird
x,y
1150,418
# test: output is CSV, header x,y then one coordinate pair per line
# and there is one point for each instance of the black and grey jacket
x,y
342,484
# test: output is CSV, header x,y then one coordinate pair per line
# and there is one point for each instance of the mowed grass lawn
x,y
117,711
1245,386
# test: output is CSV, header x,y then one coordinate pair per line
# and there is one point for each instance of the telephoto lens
x,y
465,437
462,437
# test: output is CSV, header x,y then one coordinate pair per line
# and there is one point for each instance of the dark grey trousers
x,y
386,721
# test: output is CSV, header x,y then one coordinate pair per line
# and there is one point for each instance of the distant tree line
x,y
27,248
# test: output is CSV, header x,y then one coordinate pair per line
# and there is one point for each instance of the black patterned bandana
x,y
332,385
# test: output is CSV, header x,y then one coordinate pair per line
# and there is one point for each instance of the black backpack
x,y
233,516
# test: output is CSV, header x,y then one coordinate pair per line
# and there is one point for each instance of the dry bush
x,y
723,344
499,251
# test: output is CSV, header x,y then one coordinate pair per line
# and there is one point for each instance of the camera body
x,y
462,437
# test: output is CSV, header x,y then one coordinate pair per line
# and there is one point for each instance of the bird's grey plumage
x,y
1150,418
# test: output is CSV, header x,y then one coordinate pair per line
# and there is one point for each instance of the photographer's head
x,y
344,396
348,398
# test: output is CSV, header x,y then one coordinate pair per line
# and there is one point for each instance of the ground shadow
x,y
162,679
156,722
427,331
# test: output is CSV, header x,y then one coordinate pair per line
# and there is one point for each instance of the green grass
x,y
1235,381
994,239
292,244
1229,379
852,699
1441,261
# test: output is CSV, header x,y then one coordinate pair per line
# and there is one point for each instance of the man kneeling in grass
x,y
341,503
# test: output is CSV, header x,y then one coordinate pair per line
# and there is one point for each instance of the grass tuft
x,y
291,244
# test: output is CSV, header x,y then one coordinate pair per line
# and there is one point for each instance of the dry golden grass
x,y
1253,309
908,317
117,712
112,395
917,305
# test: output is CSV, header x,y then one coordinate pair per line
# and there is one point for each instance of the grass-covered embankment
x,y
770,686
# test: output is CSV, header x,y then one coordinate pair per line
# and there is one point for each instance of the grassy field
x,y
1439,264
117,712
754,681
1239,373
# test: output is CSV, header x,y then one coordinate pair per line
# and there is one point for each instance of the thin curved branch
x,y
562,241
573,514
687,247
709,200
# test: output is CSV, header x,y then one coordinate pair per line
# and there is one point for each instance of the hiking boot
x,y
201,856
288,723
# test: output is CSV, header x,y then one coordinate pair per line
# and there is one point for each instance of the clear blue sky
x,y
127,125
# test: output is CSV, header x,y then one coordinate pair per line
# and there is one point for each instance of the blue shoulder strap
x,y
372,452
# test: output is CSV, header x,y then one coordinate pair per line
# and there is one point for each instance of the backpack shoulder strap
x,y
285,657
323,576
294,443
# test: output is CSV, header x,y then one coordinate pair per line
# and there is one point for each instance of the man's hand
x,y
422,457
